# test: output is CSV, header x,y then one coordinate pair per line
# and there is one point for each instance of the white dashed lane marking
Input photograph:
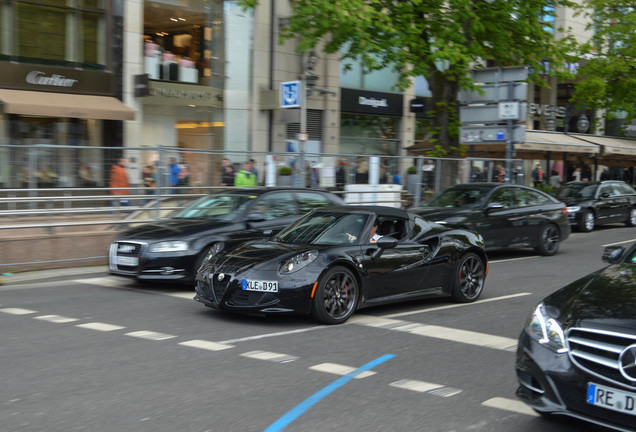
x,y
100,326
512,405
17,311
150,335
270,356
206,345
426,387
57,319
338,369
438,332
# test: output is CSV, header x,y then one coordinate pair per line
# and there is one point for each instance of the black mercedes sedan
x,y
336,260
577,351
171,250
507,215
598,203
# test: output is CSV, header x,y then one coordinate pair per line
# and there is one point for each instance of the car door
x,y
607,206
395,271
498,218
532,210
624,196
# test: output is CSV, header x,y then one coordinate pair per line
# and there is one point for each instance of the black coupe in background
x,y
598,203
172,249
507,215
327,264
577,351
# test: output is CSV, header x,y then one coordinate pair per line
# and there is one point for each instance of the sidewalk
x,y
7,279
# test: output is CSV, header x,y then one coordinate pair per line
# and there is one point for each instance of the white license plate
x,y
611,398
126,261
259,285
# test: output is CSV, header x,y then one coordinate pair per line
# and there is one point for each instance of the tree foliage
x,y
419,37
607,76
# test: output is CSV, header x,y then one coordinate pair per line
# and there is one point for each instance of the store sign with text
x,y
165,93
371,102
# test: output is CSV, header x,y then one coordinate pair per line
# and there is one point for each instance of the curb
x,y
38,275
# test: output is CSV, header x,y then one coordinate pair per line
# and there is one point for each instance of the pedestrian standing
x,y
245,177
119,180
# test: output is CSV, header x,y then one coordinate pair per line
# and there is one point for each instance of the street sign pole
x,y
303,128
509,148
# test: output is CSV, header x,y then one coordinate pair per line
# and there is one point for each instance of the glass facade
x,y
183,41
369,134
58,32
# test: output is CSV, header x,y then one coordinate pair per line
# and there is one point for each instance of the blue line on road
x,y
301,408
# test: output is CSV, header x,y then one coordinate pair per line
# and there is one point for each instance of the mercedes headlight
x,y
297,262
169,246
573,209
546,330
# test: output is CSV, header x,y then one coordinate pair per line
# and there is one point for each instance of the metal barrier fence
x,y
59,188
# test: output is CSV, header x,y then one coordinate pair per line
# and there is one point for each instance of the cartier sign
x,y
55,80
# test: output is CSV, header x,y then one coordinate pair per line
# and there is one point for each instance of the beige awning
x,y
613,145
555,142
64,105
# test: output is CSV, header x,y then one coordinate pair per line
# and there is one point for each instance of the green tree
x,y
438,39
607,76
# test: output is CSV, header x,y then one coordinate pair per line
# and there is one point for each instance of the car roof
x,y
265,189
377,209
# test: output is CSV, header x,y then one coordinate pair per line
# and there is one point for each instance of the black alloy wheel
x,y
469,279
549,239
336,296
587,221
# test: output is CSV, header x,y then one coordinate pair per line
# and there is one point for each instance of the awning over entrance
x,y
64,105
555,142
613,146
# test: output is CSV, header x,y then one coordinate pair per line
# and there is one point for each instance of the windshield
x,y
577,191
225,207
325,228
459,198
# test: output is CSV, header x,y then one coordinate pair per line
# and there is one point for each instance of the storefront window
x,y
183,43
49,32
367,134
52,152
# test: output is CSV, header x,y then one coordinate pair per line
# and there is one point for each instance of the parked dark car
x,y
577,352
326,264
173,249
598,203
506,215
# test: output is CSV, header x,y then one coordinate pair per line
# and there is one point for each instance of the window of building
x,y
184,42
369,134
57,32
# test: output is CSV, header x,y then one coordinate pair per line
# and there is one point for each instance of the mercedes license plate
x,y
611,398
260,285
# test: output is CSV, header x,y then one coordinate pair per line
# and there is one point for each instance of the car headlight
x,y
573,209
169,246
546,330
216,248
297,262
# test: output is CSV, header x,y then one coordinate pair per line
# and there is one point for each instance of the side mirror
x,y
387,242
491,206
604,195
612,254
255,217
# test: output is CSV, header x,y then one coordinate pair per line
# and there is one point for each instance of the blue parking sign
x,y
290,94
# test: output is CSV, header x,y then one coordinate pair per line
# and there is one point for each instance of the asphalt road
x,y
85,351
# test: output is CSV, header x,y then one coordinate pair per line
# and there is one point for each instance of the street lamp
x,y
549,123
583,124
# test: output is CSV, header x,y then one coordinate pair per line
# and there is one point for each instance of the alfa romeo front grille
x,y
598,352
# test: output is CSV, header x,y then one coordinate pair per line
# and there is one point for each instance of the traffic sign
x,y
491,134
494,93
290,94
484,114
509,110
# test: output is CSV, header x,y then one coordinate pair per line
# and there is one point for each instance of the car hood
x,y
604,298
171,228
441,213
